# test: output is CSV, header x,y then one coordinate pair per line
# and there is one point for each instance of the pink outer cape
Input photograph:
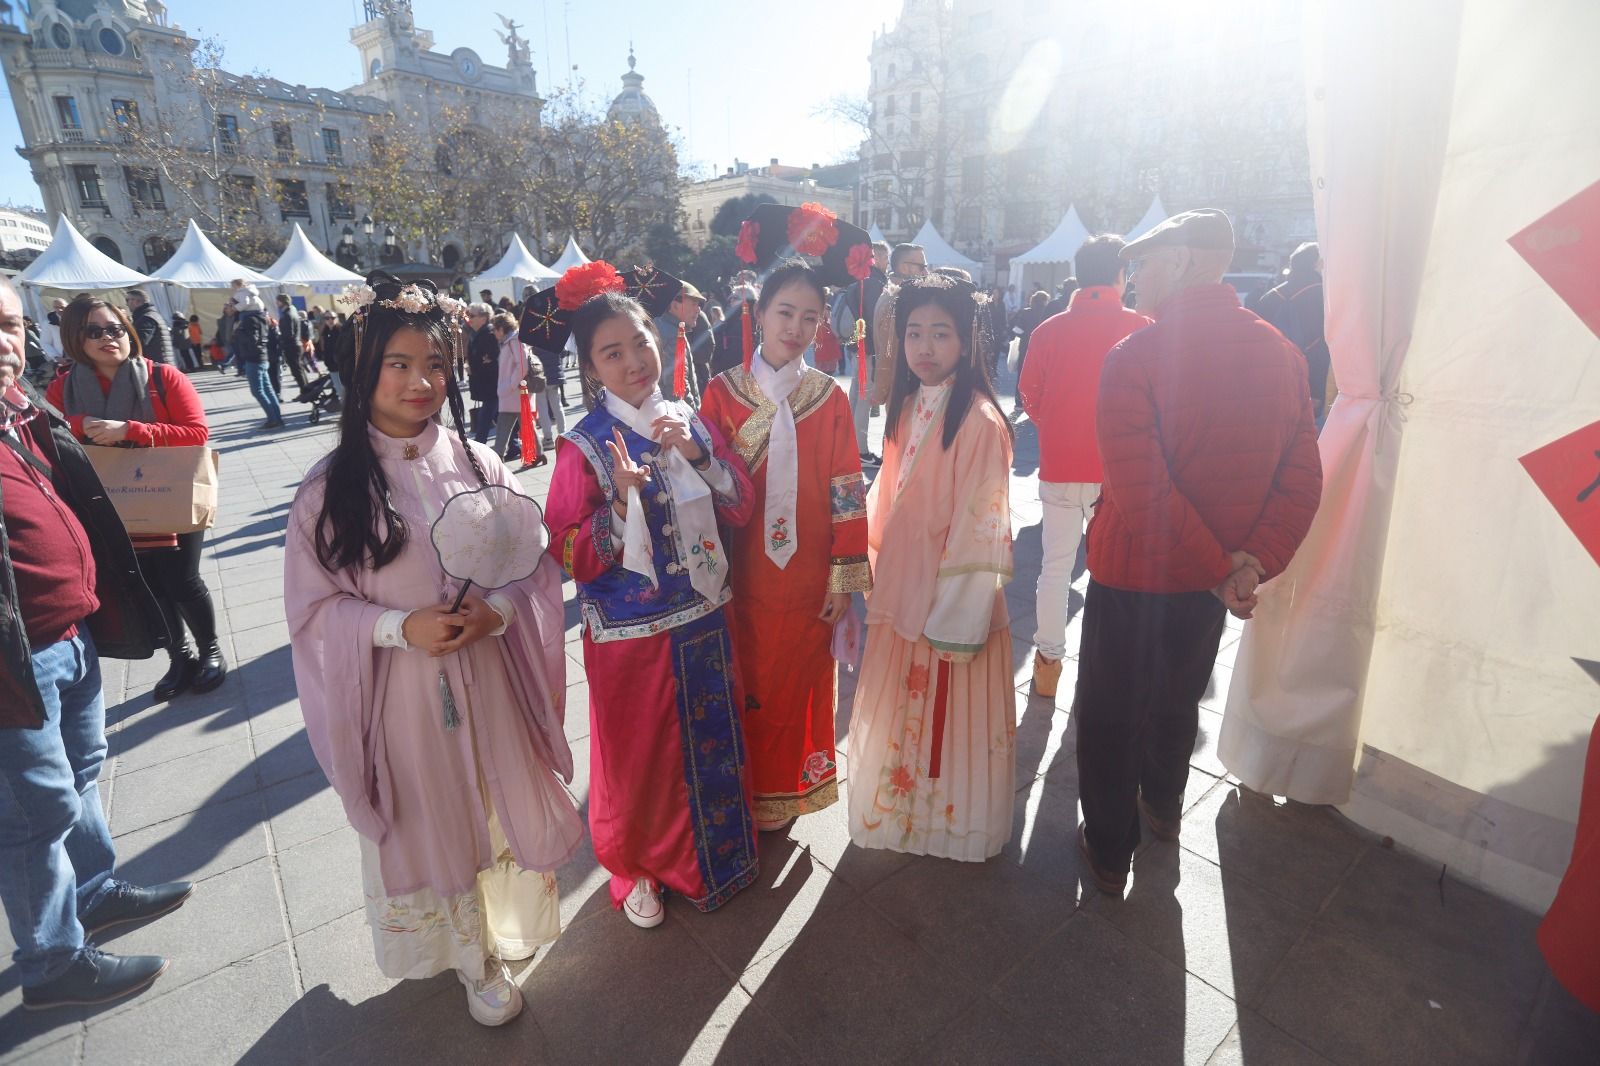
x,y
373,715
944,523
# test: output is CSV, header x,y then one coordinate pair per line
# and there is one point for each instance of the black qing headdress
x,y
547,318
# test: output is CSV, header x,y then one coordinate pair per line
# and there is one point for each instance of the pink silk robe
x,y
375,716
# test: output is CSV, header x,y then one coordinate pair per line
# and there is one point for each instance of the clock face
x,y
468,64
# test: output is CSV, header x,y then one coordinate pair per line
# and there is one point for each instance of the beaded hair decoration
x,y
410,299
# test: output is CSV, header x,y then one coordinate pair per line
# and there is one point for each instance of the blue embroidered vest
x,y
621,604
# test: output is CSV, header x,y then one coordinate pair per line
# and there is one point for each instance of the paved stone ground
x,y
1276,934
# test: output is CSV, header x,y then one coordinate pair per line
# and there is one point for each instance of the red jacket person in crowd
x,y
1211,479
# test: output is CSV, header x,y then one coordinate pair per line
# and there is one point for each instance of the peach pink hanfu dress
x,y
461,818
931,758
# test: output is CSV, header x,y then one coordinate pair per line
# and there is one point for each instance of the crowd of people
x,y
712,505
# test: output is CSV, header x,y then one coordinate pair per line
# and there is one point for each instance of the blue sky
x,y
735,78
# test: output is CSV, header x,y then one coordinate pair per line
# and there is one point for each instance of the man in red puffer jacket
x,y
1211,479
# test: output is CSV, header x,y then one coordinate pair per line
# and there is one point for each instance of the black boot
x,y
202,619
180,675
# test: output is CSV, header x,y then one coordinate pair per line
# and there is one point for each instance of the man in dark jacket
x,y
1211,478
69,583
483,371
1295,307
290,340
154,340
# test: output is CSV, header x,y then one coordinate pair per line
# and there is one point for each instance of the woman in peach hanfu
x,y
931,757
795,566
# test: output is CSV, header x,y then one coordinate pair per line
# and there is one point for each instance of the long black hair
x,y
589,317
959,299
355,492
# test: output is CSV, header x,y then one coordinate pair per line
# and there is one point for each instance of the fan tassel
x,y
452,717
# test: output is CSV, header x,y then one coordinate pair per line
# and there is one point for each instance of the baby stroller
x,y
320,394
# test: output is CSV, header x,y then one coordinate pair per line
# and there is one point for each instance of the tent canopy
x,y
571,256
939,252
1050,260
301,264
1153,217
71,262
876,235
515,270
199,264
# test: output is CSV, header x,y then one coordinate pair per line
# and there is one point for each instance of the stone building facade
x,y
832,187
991,117
90,79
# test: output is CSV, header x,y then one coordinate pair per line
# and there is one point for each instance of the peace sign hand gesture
x,y
625,474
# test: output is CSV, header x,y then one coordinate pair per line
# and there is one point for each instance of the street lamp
x,y
366,225
388,240
347,243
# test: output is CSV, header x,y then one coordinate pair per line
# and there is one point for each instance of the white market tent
x,y
876,235
197,279
1421,661
571,256
1153,217
302,266
516,270
1050,261
940,254
69,266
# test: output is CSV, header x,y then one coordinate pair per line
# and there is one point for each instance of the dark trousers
x,y
484,417
173,575
1143,667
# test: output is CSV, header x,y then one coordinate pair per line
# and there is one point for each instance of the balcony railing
x,y
98,203
72,136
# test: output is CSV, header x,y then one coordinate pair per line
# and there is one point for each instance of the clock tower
x,y
389,39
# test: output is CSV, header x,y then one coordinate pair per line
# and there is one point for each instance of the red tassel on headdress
x,y
861,338
680,372
748,331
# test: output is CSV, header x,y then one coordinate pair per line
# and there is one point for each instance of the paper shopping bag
x,y
159,490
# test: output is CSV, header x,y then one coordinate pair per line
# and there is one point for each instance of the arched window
x,y
109,247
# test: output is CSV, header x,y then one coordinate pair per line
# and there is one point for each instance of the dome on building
x,y
631,103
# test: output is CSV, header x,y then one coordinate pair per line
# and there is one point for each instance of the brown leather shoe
x,y
1046,675
1165,830
1106,881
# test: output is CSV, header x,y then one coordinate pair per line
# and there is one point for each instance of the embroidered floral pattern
x,y
778,534
818,767
917,681
848,497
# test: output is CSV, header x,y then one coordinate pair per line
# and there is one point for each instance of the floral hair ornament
x,y
812,229
749,236
580,283
384,291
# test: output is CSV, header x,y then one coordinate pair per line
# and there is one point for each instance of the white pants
x,y
552,415
1066,509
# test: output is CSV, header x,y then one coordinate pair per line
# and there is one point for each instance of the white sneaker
x,y
494,1000
643,905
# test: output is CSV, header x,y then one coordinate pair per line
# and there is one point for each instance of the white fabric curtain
x,y
1421,662
1379,84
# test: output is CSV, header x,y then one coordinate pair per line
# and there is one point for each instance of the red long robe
x,y
783,647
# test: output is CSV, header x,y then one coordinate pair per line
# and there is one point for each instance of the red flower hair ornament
x,y
587,280
749,234
859,263
812,230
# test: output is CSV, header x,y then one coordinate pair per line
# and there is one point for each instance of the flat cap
x,y
1204,228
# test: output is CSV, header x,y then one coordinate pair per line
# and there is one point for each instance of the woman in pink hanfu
x,y
931,755
441,731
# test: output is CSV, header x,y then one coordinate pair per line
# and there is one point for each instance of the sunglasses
x,y
113,331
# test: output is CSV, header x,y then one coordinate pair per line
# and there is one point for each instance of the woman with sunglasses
x,y
114,397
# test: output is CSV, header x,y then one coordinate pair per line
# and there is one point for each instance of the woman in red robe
x,y
805,551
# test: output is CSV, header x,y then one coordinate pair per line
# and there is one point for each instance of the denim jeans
x,y
552,413
260,378
56,854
